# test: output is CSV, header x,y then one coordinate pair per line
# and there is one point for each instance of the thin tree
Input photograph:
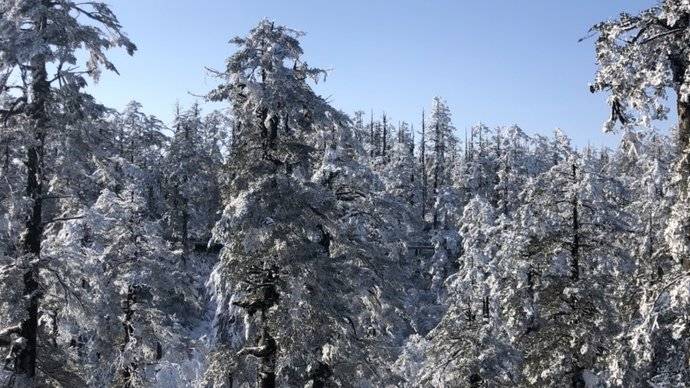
x,y
422,165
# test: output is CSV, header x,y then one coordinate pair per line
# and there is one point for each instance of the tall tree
x,y
40,38
641,58
442,143
422,164
274,265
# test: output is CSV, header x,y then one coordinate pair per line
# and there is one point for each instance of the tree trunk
x,y
6,159
26,360
185,230
438,159
385,136
320,375
34,187
33,233
683,166
683,143
371,135
575,245
267,361
422,157
128,311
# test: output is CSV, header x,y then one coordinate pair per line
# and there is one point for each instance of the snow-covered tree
x,y
191,178
370,231
140,139
401,174
469,342
477,174
442,147
42,89
573,225
127,315
274,280
513,167
641,59
325,251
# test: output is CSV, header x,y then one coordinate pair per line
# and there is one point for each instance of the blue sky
x,y
499,62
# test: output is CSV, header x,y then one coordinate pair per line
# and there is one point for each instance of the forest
x,y
281,242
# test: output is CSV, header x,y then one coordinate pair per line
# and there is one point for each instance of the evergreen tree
x,y
42,36
274,272
441,148
192,188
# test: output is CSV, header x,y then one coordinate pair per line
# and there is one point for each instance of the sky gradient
x,y
499,62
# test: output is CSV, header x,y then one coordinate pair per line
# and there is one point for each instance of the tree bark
x,y
267,361
127,308
33,233
6,159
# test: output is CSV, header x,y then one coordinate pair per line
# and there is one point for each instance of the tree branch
x,y
63,219
6,334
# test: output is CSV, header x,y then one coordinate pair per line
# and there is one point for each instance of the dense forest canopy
x,y
281,242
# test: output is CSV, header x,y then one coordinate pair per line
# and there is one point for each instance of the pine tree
x,y
442,146
141,141
639,73
401,173
191,180
42,36
473,325
573,249
423,167
275,263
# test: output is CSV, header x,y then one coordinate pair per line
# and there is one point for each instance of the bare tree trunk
x,y
26,360
265,296
6,159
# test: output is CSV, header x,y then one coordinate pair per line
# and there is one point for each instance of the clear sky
x,y
496,61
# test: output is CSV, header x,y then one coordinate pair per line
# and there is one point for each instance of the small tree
x,y
442,143
192,188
